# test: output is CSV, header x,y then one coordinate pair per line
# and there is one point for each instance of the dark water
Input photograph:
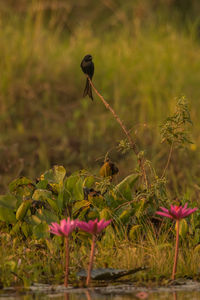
x,y
149,295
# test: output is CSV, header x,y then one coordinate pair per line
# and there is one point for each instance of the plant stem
x,y
176,250
131,141
66,260
168,160
91,259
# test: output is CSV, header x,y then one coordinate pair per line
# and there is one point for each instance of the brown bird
x,y
108,169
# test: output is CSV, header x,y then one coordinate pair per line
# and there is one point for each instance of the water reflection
x,y
91,295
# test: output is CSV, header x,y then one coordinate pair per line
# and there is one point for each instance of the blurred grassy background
x,y
146,53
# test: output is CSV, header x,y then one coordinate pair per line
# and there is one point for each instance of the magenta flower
x,y
65,228
176,212
93,227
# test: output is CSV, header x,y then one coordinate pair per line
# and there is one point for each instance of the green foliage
x,y
175,129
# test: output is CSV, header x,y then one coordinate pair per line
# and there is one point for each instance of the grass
x,y
23,263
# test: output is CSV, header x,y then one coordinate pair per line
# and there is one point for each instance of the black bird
x,y
87,67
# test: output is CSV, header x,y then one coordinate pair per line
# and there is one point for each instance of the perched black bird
x,y
87,67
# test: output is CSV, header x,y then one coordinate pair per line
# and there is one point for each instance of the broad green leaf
x,y
41,231
88,181
20,182
35,220
53,204
80,204
130,180
42,184
97,201
78,190
47,216
81,215
183,228
106,214
41,195
125,216
7,215
26,229
22,209
55,175
8,201
71,182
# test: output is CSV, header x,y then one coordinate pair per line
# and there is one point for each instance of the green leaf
x,y
7,215
47,216
55,175
130,180
41,231
20,182
26,229
79,205
133,233
42,184
183,228
22,209
8,201
41,195
78,190
125,216
53,204
106,214
88,181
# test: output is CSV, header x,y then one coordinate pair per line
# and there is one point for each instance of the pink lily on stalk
x,y
64,229
176,213
94,228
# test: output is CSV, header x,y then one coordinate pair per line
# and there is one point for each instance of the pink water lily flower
x,y
65,228
93,227
176,212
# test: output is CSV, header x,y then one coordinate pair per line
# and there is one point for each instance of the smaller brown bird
x,y
87,67
108,169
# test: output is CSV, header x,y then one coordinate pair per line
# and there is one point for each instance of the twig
x,y
168,160
131,142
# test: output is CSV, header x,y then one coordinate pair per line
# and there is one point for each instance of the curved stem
x,y
66,261
131,141
91,259
168,160
176,250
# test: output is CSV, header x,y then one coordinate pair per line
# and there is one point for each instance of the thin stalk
x,y
131,141
168,160
176,250
66,261
91,259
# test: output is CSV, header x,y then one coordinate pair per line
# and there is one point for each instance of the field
x,y
147,67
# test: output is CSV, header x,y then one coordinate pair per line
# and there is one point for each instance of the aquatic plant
x,y
64,229
94,228
176,213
